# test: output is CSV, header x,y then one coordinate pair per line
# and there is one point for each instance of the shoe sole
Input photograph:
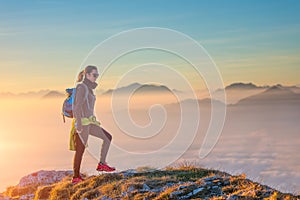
x,y
104,170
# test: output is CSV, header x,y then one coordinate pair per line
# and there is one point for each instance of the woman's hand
x,y
78,131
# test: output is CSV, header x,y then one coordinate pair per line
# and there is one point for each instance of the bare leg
x,y
100,132
79,147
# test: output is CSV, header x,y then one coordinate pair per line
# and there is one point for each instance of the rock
x,y
233,197
176,193
106,198
43,177
146,187
170,184
226,183
124,194
215,187
129,172
194,192
156,190
267,194
210,178
208,183
198,190
130,188
182,187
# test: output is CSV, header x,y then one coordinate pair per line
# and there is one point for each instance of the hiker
x,y
85,122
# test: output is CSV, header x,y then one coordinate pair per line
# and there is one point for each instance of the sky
x,y
43,43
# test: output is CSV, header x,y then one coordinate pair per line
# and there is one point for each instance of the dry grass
x,y
147,182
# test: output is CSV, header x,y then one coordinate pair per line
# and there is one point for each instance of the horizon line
x,y
105,90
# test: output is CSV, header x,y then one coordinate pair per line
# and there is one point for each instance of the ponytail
x,y
80,76
88,69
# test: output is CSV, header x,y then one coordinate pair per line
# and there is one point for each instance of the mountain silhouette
x,y
243,86
140,89
33,94
53,94
276,94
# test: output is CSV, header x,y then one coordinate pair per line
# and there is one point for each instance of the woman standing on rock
x,y
85,123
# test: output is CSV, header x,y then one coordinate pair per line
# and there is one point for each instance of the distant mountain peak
x,y
279,89
274,94
135,84
276,87
53,94
241,85
141,88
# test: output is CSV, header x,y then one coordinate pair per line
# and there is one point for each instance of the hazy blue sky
x,y
44,42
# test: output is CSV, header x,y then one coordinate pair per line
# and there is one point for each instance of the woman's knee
x,y
108,135
100,132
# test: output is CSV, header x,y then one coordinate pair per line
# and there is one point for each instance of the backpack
x,y
68,104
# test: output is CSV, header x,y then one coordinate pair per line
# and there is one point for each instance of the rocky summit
x,y
184,182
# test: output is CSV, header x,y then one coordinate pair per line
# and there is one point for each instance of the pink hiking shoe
x,y
105,167
77,180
